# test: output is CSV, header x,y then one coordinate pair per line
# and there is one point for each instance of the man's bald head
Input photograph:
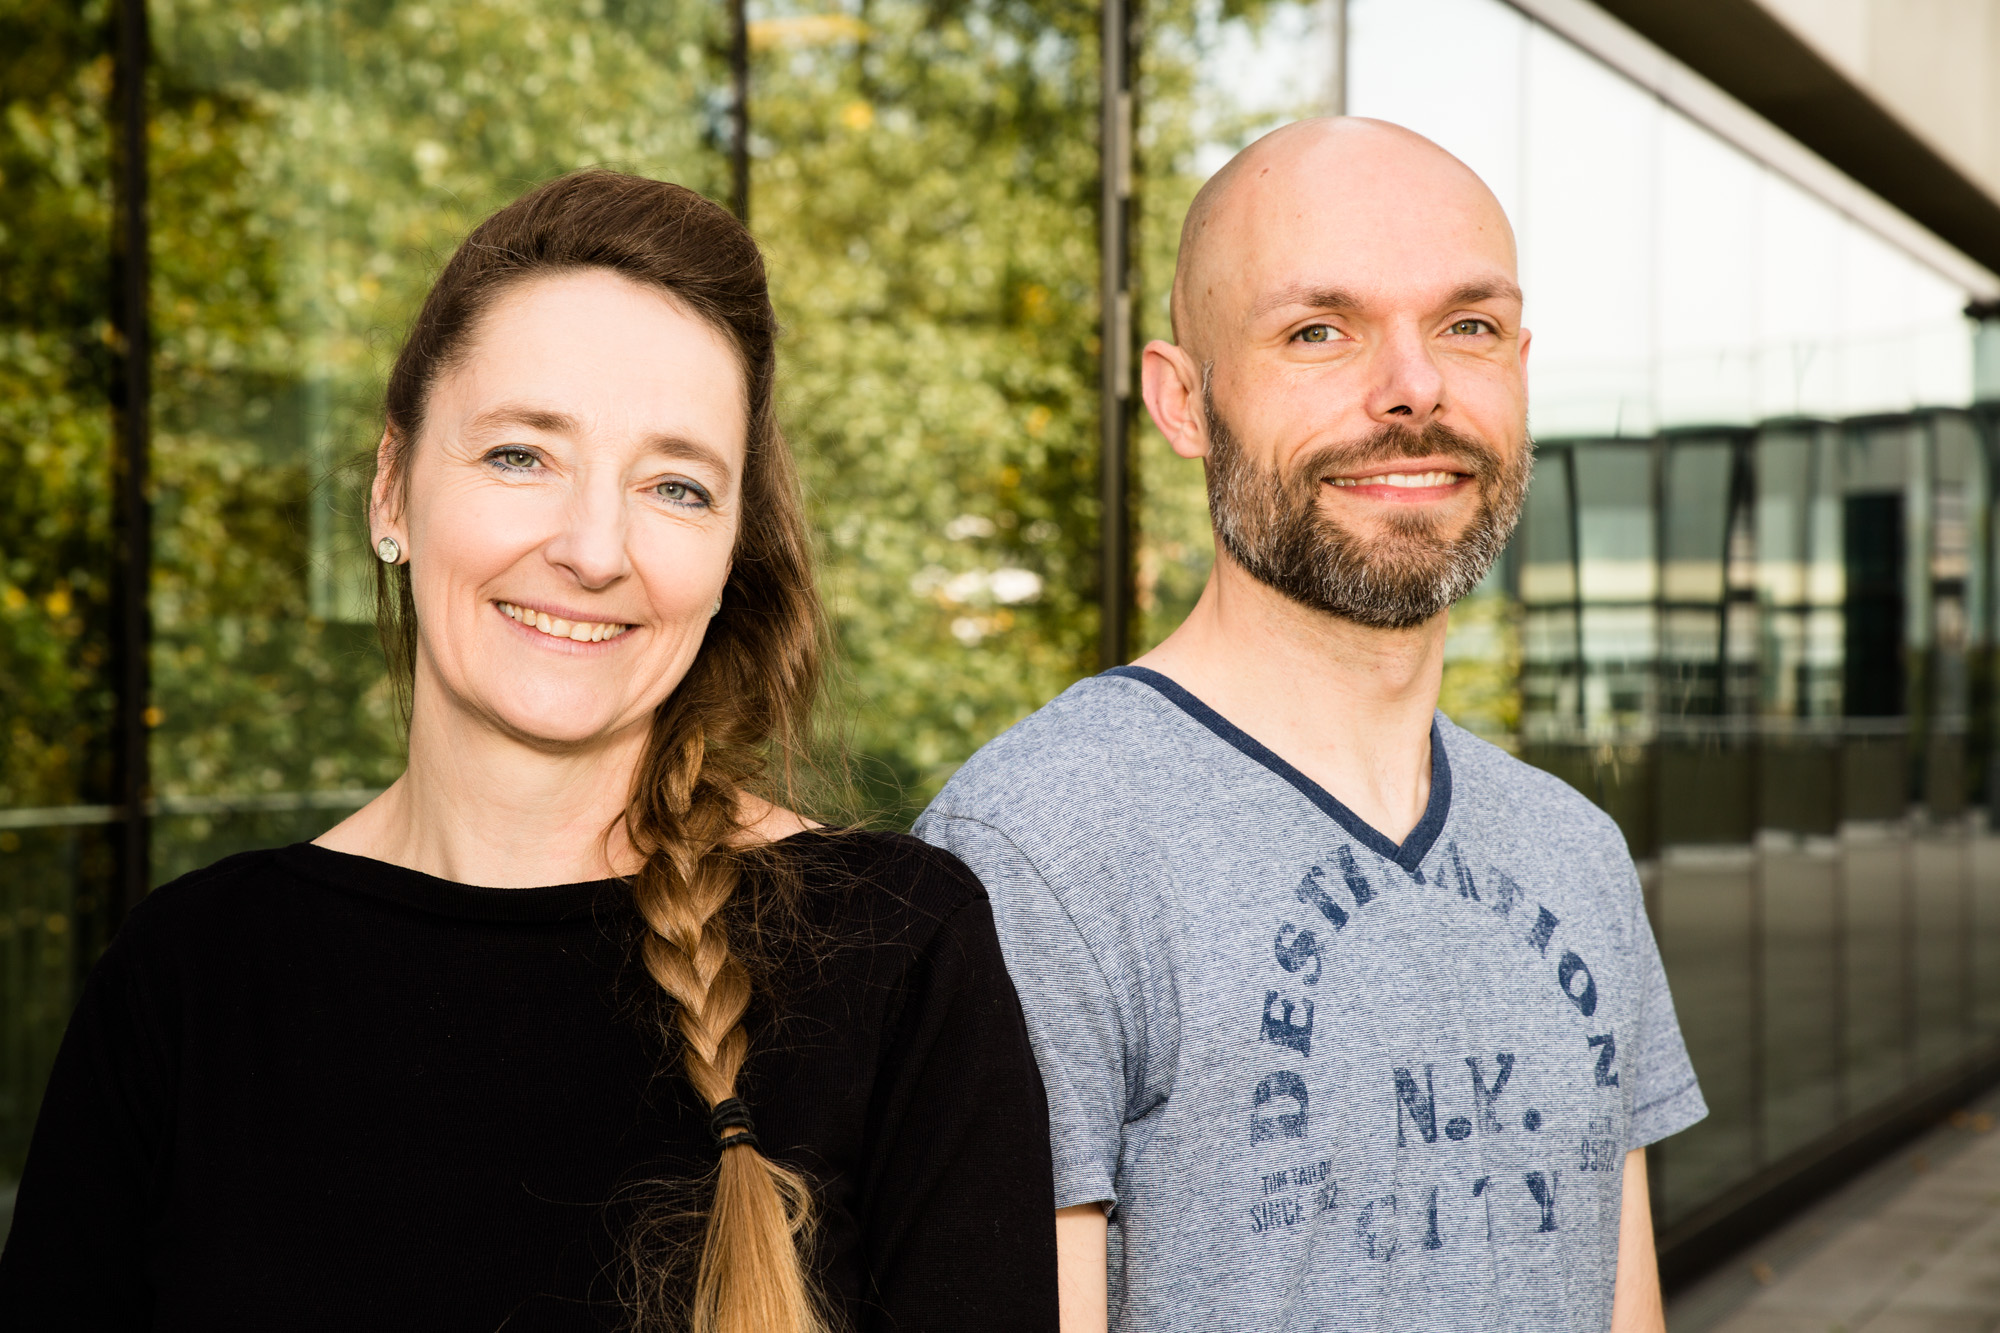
x,y
1332,183
1352,370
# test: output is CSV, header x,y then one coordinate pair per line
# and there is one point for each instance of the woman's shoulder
x,y
218,887
891,886
200,921
900,864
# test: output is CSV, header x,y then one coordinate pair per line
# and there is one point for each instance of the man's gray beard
x,y
1272,525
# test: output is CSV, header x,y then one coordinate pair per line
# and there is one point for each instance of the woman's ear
x,y
385,496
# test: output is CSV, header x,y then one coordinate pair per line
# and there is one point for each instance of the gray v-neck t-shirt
x,y
1324,1081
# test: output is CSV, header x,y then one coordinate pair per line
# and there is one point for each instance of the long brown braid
x,y
746,700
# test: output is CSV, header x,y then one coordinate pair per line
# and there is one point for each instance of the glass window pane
x,y
1939,911
56,359
1799,244
1703,919
1799,887
1585,224
1617,566
1706,228
1873,1012
925,184
1797,659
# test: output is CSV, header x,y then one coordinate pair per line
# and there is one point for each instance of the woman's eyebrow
x,y
543,419
693,451
552,422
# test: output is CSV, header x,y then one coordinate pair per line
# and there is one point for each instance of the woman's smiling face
x,y
570,508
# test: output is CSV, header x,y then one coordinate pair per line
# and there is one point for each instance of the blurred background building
x,y
1750,610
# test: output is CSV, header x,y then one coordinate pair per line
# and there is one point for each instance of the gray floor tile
x,y
1913,1246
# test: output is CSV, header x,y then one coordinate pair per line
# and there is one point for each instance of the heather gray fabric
x,y
1327,1082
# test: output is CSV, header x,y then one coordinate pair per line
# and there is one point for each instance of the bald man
x,y
1348,1020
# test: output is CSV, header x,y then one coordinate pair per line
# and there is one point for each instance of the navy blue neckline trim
x,y
1409,856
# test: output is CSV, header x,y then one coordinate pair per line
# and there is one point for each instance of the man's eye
x,y
1316,333
1471,328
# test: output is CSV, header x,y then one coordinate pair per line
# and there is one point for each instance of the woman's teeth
x,y
582,631
1412,480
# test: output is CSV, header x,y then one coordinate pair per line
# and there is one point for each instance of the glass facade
x,y
923,179
1748,610
1752,588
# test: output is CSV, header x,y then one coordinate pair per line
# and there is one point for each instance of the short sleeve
x,y
1074,1020
1666,1097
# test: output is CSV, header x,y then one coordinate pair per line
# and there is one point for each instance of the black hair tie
x,y
732,1113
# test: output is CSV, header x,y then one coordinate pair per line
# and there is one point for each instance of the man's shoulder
x,y
1088,747
1485,775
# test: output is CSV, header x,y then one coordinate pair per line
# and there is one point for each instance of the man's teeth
x,y
1412,480
582,631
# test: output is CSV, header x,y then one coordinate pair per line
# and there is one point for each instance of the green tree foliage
x,y
55,423
925,183
55,516
1180,113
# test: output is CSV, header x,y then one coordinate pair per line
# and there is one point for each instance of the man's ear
x,y
385,507
1171,383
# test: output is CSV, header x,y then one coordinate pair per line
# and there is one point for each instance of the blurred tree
x,y
55,510
55,519
925,182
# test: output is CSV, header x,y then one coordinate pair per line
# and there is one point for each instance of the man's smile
x,y
1409,480
1403,480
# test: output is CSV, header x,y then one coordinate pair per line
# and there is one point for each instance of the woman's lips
x,y
577,631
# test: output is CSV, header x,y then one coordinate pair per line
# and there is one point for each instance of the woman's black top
x,y
306,1090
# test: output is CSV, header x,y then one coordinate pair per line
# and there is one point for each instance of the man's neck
x,y
1348,706
478,806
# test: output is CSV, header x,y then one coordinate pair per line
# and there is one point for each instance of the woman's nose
x,y
591,545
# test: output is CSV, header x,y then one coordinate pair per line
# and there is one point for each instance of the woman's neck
x,y
478,806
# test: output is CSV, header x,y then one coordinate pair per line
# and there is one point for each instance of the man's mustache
x,y
1389,443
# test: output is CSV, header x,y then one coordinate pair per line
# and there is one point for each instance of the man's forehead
x,y
1369,210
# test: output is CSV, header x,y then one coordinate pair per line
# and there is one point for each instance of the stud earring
x,y
389,550
715,610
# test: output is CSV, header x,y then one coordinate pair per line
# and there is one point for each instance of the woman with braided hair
x,y
578,1025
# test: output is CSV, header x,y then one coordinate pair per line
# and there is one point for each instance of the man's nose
x,y
1408,387
591,546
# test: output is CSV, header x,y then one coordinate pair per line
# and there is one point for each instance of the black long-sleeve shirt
x,y
306,1090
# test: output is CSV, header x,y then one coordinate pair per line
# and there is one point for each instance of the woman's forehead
x,y
592,353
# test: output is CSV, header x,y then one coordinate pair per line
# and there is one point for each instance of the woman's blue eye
x,y
1315,333
680,493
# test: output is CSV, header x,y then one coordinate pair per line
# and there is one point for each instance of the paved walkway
x,y
1912,1246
